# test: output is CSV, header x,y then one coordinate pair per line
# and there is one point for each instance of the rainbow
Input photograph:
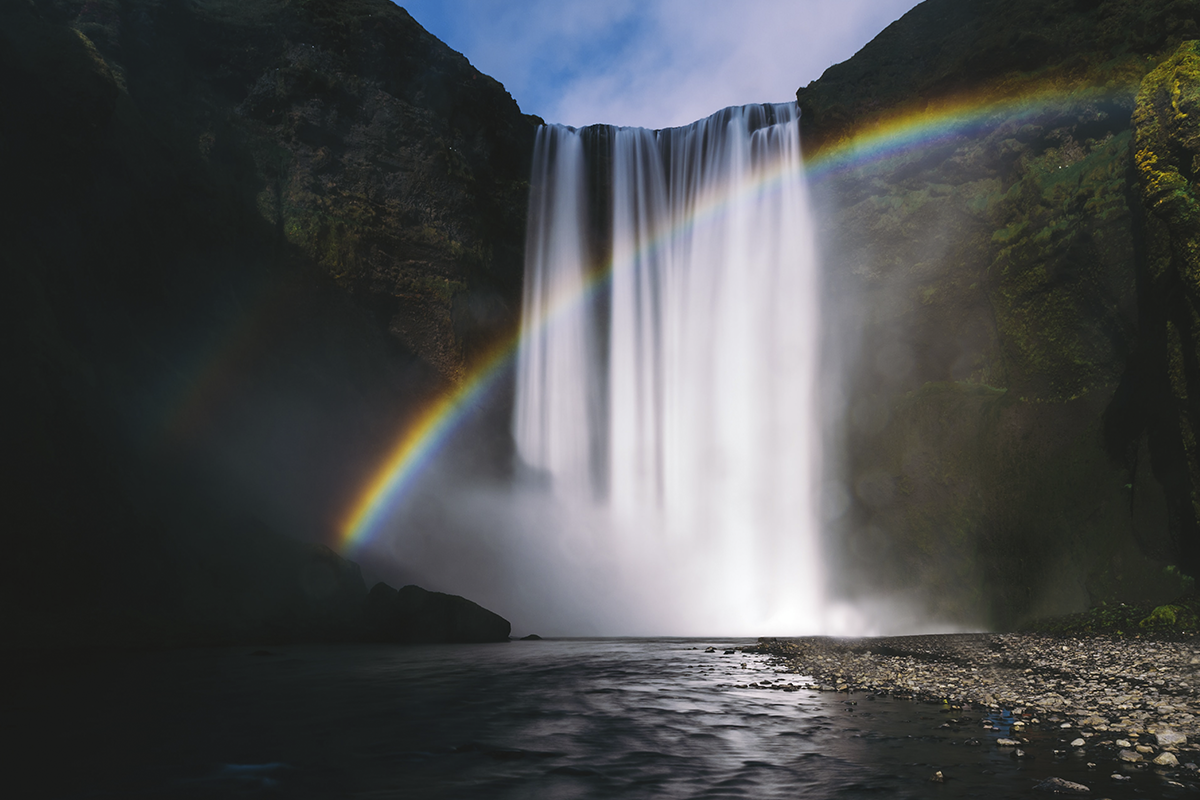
x,y
218,363
418,443
423,437
901,133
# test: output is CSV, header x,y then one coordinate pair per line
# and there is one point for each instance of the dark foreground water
x,y
548,719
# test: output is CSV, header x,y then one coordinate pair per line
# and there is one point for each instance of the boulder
x,y
415,615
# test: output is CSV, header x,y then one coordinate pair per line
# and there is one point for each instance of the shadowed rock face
x,y
990,293
414,615
244,241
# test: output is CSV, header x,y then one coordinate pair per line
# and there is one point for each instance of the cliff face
x,y
1014,408
242,239
1162,384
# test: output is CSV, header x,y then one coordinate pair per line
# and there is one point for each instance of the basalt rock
x,y
414,615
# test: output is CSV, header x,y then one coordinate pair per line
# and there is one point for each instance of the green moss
x,y
1054,236
1179,619
1010,231
1163,615
1167,156
439,287
1165,114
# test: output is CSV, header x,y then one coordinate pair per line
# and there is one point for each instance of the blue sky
x,y
654,63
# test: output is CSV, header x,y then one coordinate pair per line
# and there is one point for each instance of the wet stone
x,y
1061,786
1169,738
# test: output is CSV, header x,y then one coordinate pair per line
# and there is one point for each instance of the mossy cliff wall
x,y
1164,388
242,239
992,292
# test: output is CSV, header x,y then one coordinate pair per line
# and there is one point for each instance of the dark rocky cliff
x,y
240,240
1013,297
244,239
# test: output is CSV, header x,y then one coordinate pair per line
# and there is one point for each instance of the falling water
x,y
666,375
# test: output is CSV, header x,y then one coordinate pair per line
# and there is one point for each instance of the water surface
x,y
616,718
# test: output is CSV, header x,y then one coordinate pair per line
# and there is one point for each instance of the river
x,y
599,718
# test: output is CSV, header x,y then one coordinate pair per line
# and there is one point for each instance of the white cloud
x,y
654,63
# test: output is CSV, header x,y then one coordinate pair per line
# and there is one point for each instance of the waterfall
x,y
665,379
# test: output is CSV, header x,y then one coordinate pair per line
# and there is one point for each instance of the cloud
x,y
653,63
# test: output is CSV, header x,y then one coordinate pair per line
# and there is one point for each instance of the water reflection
x,y
549,719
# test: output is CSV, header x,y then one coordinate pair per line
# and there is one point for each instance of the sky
x,y
652,63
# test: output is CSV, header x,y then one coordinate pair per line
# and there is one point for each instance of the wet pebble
x,y
1134,696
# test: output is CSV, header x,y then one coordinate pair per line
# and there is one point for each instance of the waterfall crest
x,y
665,380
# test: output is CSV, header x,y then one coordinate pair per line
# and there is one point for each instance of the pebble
x,y
1166,760
1096,682
1168,738
1131,693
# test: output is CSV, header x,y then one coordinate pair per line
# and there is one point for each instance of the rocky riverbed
x,y
1129,702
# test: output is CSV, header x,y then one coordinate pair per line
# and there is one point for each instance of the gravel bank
x,y
1130,700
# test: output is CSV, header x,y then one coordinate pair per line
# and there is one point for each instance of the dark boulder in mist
x,y
333,588
280,590
415,615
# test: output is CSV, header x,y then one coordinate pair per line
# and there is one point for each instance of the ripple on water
x,y
575,719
